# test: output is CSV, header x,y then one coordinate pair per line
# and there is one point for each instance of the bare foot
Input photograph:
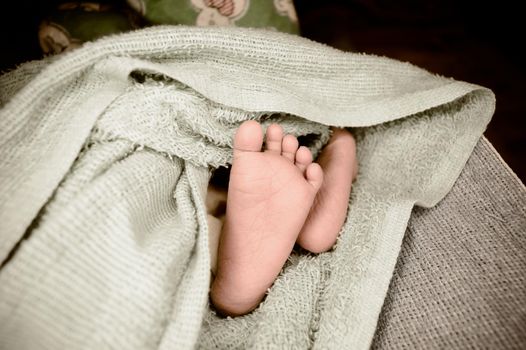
x,y
269,197
327,215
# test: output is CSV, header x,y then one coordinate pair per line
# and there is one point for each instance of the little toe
x,y
289,146
249,137
314,175
274,139
303,158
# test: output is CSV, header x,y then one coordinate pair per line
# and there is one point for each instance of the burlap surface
x,y
460,279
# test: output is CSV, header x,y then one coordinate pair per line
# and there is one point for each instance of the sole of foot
x,y
328,213
270,195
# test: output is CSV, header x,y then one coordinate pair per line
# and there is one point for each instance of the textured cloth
x,y
460,280
105,155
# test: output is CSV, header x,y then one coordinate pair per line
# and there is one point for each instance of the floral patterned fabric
x,y
73,23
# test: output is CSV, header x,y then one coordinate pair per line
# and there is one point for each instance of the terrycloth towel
x,y
105,154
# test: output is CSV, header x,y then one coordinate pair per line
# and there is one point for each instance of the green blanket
x,y
105,155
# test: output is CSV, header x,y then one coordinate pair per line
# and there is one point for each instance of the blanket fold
x,y
105,155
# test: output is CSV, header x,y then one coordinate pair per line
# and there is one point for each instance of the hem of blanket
x,y
383,260
379,112
458,154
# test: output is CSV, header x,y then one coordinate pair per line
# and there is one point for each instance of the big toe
x,y
249,137
343,139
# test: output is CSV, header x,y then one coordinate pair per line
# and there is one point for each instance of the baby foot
x,y
328,213
269,197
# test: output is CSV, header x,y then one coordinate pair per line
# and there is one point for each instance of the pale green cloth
x,y
105,154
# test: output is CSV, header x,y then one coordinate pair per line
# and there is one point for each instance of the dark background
x,y
470,41
476,42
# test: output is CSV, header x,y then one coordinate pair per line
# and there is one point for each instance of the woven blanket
x,y
105,156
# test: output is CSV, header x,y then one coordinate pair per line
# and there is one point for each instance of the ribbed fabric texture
x,y
105,154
